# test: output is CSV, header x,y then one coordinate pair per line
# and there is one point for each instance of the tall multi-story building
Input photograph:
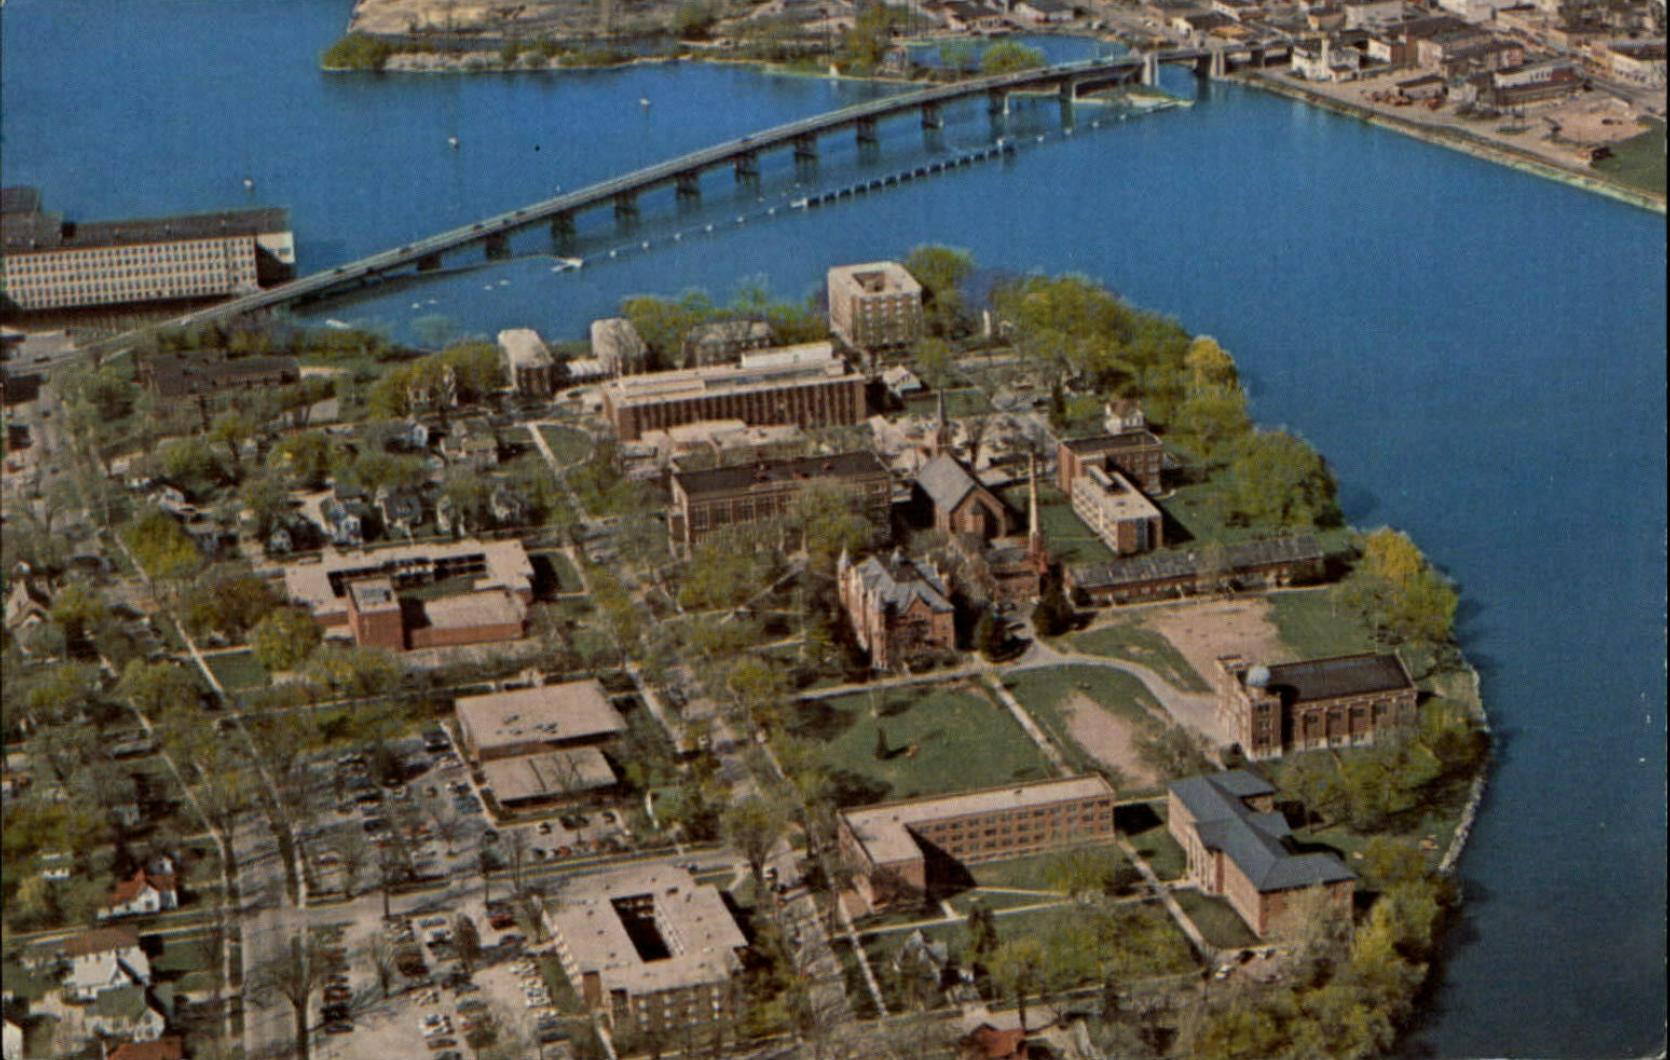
x,y
528,363
1117,512
649,948
876,306
806,385
618,346
900,610
896,845
707,501
1137,453
1339,702
48,263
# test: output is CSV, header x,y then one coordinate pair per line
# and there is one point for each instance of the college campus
x,y
580,715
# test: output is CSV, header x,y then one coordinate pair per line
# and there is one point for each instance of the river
x,y
1479,353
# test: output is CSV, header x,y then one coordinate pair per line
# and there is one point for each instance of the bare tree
x,y
296,975
517,839
381,952
353,852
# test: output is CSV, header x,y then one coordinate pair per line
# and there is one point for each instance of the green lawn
x,y
1221,925
182,953
1638,161
1145,826
1313,625
1130,640
568,579
1198,513
568,445
858,991
238,670
966,401
562,991
995,900
1069,540
1042,693
961,740
1032,872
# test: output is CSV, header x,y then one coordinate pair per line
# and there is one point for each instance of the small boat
x,y
504,283
249,183
643,102
452,142
337,324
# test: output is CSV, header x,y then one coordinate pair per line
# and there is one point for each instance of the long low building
x,y
1348,700
1269,563
649,948
528,721
551,777
707,501
806,385
323,587
1239,847
897,844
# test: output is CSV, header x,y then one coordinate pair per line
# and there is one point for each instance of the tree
x,y
941,271
353,852
470,497
988,636
982,932
230,603
882,752
1053,615
285,638
306,457
1210,367
381,952
232,429
1018,966
267,501
753,825
77,609
1008,57
1278,480
466,942
1214,420
295,975
161,546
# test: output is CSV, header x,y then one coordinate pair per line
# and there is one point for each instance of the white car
x,y
431,1021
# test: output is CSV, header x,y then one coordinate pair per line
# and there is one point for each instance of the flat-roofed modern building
x,y
528,363
707,501
1137,453
547,778
1117,511
875,306
1240,847
323,587
897,844
806,385
48,263
1348,700
649,948
528,721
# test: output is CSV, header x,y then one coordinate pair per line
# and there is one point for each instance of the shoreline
x,y
1500,154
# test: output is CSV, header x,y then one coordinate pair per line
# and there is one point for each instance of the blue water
x,y
1481,355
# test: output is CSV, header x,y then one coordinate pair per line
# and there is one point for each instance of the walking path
x,y
1031,728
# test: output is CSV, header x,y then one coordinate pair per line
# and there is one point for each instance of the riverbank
x,y
1455,139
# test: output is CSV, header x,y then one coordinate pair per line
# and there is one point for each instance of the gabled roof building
x,y
900,610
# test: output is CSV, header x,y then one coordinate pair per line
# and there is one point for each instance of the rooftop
x,y
809,363
488,607
549,713
744,476
1179,563
1345,675
877,277
1256,842
321,585
946,481
1108,443
900,582
552,773
373,594
1116,497
700,937
27,227
101,940
883,829
523,348
616,336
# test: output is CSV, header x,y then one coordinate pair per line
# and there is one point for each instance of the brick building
x,y
531,721
1270,563
903,847
48,263
649,948
707,501
724,341
900,610
528,363
805,385
1117,512
379,618
1349,700
1239,847
1137,453
208,375
960,504
876,306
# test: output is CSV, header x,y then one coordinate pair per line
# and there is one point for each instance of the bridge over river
x,y
492,234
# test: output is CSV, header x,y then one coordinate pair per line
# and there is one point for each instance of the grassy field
x,y
1199,512
958,403
1145,826
1217,921
1128,639
568,445
238,670
1313,625
1069,540
962,740
1042,693
1638,161
1032,872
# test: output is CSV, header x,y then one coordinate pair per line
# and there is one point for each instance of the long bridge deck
x,y
1070,79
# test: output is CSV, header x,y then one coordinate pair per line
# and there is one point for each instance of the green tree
x,y
1053,615
157,687
1278,480
1212,421
285,638
1210,367
227,602
267,500
233,429
982,932
1391,556
306,457
753,825
161,546
353,672
357,51
78,609
988,636
693,20
1018,966
189,460
1009,57
941,271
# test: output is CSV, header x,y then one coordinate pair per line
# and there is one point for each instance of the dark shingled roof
x,y
1108,443
27,227
1345,675
901,581
946,481
742,476
1177,563
1256,842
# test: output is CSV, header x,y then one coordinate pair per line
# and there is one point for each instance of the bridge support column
x,y
497,246
866,132
1255,58
747,167
429,263
626,208
562,226
931,116
1069,90
1151,69
997,101
1220,65
806,147
689,186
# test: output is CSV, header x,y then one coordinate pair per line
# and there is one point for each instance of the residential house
x,y
1639,62
1323,61
402,508
103,959
126,1012
27,606
509,507
987,1042
344,523
901,382
140,895
900,610
960,503
413,435
471,443
1239,847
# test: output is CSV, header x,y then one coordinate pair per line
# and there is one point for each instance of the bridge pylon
x,y
997,101
866,129
1220,65
932,117
747,166
1151,69
626,208
497,246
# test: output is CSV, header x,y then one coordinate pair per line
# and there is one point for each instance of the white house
x,y
11,1042
126,1012
141,894
103,959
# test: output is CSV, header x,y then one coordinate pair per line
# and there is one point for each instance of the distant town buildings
x,y
806,385
649,948
1346,701
895,844
528,363
876,306
48,263
900,609
707,501
1238,846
